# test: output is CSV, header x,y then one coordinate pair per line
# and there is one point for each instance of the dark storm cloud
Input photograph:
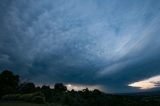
x,y
108,43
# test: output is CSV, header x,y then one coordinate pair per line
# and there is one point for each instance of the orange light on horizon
x,y
78,87
149,83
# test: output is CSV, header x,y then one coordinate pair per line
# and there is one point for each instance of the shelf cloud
x,y
107,43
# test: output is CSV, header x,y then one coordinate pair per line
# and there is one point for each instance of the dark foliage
x,y
11,90
59,87
26,87
8,82
47,92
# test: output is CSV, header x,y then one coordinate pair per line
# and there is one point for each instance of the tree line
x,y
12,89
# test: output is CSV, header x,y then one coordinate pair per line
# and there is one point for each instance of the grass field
x,y
26,104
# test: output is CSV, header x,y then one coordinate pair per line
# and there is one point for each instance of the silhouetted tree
x,y
86,92
97,92
59,87
8,82
27,87
38,88
46,90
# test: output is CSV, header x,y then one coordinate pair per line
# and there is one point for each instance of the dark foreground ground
x,y
26,104
105,100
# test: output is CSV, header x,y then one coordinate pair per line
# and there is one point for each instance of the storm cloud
x,y
109,43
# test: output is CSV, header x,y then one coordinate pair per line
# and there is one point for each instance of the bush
x,y
33,97
38,99
26,97
11,97
26,88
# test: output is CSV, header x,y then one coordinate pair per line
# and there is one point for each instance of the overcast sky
x,y
105,43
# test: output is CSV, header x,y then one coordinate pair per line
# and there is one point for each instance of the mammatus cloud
x,y
98,43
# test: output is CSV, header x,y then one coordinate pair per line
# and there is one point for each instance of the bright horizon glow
x,y
77,87
149,83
